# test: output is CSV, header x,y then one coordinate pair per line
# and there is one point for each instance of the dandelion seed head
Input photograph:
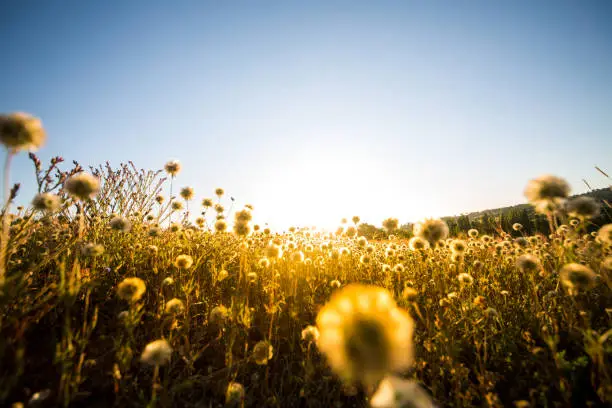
x,y
547,192
157,353
431,230
218,315
82,186
364,334
121,224
183,262
527,263
174,307
173,167
21,131
220,225
582,207
234,395
131,289
577,278
92,249
46,202
262,352
187,193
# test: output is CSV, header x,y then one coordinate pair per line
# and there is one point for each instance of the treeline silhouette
x,y
495,221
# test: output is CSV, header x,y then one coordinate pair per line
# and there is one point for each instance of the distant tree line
x,y
502,219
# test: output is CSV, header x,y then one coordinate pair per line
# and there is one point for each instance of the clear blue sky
x,y
315,110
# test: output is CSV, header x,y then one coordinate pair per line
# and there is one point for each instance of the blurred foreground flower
x,y
577,278
547,193
21,131
364,334
395,392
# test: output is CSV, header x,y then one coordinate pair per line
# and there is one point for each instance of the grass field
x,y
112,296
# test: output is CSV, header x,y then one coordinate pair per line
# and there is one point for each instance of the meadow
x,y
112,294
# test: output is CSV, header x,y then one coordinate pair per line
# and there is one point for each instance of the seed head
x,y
82,186
21,131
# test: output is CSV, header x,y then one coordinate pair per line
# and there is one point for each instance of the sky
x,y
316,110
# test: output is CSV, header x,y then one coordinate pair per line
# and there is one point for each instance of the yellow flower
x,y
364,334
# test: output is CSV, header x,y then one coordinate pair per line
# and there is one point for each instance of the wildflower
x,y
362,242
459,246
174,307
335,284
82,186
90,249
177,206
521,242
264,263
168,281
473,233
364,334
159,198
219,192
527,263
365,259
220,225
218,315
310,334
242,229
582,207
395,392
46,202
297,257
399,268
577,278
21,131
187,193
350,231
410,294
234,395
121,224
386,268
173,167
480,301
390,224
131,289
457,257
207,203
418,244
547,192
157,353
465,278
432,230
262,352
273,251
517,227
183,262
